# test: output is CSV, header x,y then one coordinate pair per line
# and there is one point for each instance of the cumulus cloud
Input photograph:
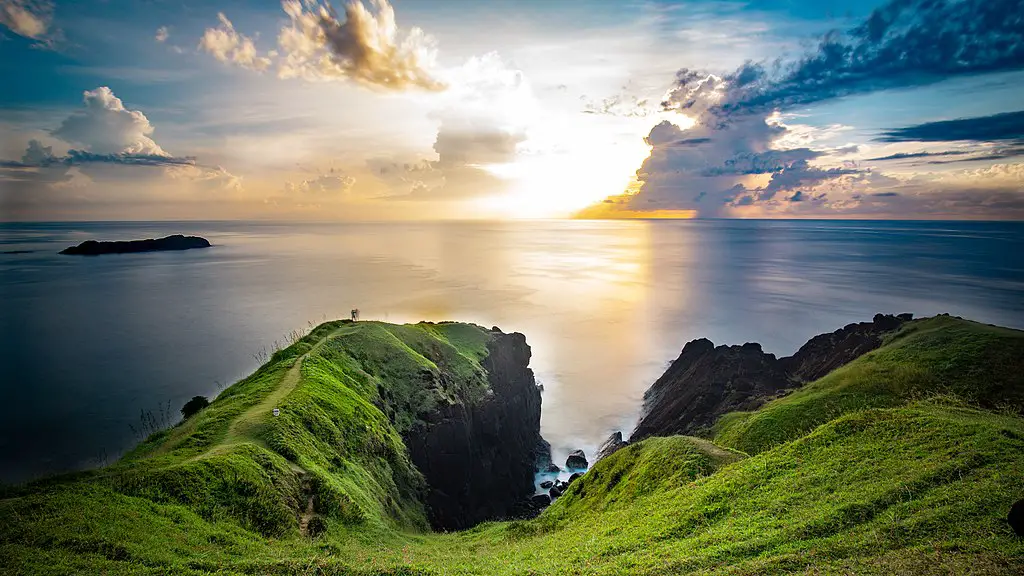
x,y
108,138
27,18
362,45
1005,126
230,47
162,34
105,126
737,136
901,44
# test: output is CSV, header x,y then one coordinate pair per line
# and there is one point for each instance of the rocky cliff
x,y
706,381
479,457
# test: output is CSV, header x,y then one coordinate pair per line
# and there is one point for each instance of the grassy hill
x,y
904,461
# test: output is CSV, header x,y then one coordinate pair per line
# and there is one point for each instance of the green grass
x,y
937,356
874,469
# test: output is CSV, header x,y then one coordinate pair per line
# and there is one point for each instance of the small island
x,y
174,242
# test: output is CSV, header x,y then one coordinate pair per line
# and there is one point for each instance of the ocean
x,y
90,343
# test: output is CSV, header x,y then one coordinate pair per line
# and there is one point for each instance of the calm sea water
x,y
89,343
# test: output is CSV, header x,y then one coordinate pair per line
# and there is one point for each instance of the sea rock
x,y
542,456
574,476
540,500
555,492
610,446
175,242
706,381
1016,518
577,460
546,484
479,459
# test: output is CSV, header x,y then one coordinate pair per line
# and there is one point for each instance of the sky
x,y
456,109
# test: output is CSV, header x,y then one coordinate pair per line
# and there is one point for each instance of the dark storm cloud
x,y
81,157
800,175
913,155
37,155
1005,126
904,43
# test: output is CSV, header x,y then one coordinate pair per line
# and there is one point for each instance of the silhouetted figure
x,y
355,314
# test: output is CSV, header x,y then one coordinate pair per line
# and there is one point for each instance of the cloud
x,y
213,178
105,126
475,144
332,183
126,158
798,177
903,43
27,18
1005,126
364,47
732,136
38,156
112,138
915,155
230,47
162,34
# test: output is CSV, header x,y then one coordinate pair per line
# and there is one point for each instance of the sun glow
x,y
565,166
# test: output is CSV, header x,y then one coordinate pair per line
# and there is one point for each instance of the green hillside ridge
x,y
904,461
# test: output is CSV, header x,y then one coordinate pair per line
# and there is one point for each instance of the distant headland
x,y
175,242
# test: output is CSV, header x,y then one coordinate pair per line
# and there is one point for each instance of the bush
x,y
193,406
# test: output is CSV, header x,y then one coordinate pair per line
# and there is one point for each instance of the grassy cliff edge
x,y
906,460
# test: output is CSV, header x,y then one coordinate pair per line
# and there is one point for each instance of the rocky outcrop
x,y
826,352
175,242
479,459
706,381
577,460
613,444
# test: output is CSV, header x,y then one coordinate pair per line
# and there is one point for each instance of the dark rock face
x,y
826,352
706,381
610,446
1016,518
541,500
577,460
175,242
546,484
479,460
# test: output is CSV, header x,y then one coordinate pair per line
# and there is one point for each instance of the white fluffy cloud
x,y
363,45
230,47
105,126
162,34
26,18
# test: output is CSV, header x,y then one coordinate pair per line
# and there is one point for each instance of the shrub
x,y
193,406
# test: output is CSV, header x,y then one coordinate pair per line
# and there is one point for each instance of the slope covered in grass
x,y
980,364
868,476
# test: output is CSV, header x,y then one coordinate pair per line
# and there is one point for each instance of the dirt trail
x,y
243,428
307,514
714,450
